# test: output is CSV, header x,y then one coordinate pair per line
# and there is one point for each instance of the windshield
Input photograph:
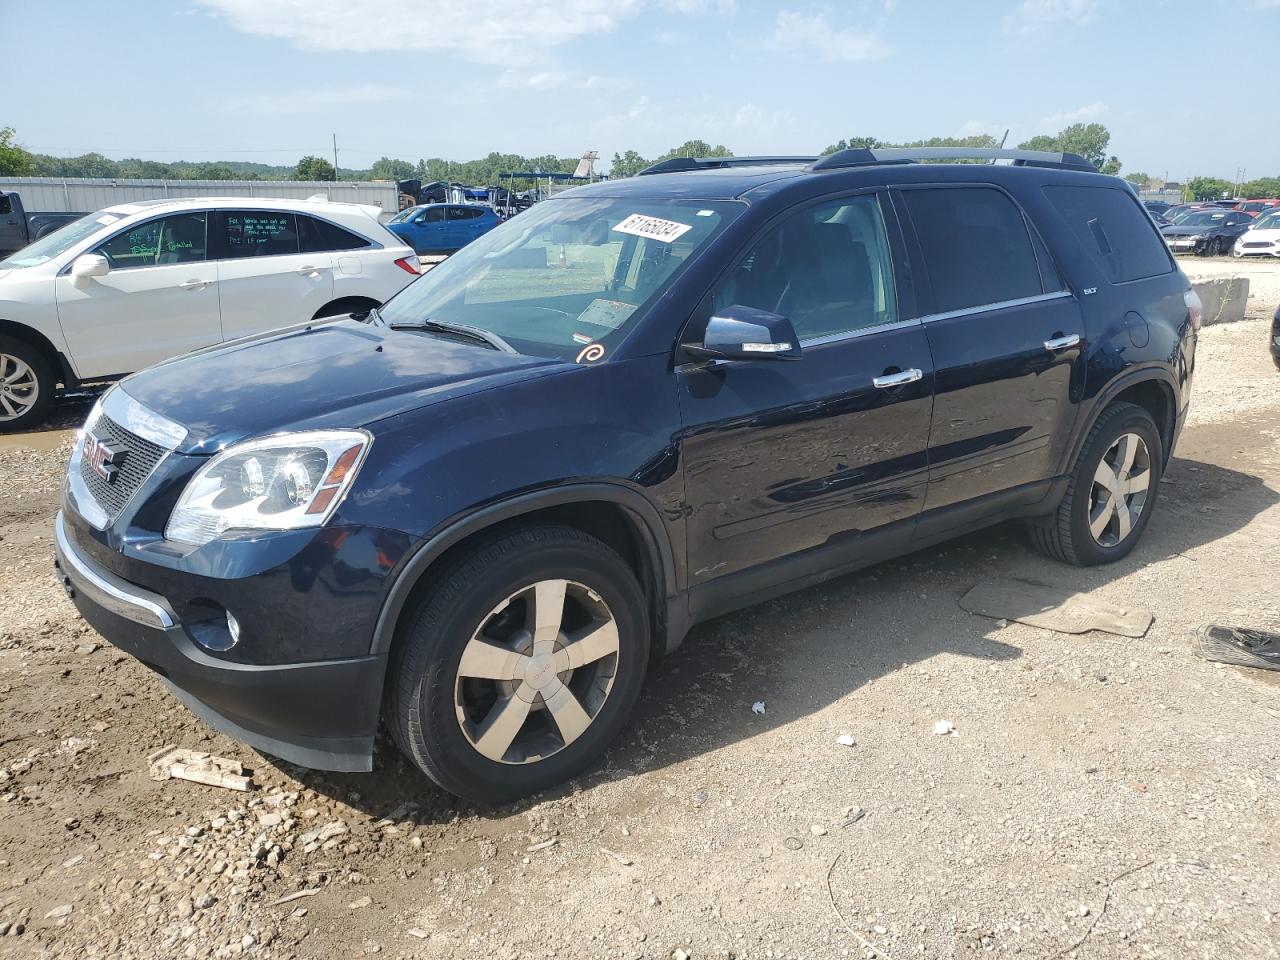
x,y
405,214
567,274
1199,218
1268,221
60,241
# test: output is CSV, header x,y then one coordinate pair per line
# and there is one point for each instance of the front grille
x,y
1254,244
139,458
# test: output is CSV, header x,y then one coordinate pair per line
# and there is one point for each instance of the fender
x,y
1130,378
647,521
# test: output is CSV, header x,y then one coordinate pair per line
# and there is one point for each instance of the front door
x,y
1005,335
265,282
159,300
784,458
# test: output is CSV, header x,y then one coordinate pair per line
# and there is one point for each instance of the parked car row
x,y
1206,231
134,284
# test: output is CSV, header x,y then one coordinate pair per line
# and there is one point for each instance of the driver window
x,y
176,239
826,268
433,215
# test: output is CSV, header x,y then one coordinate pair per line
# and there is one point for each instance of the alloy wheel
x,y
1120,488
537,672
19,388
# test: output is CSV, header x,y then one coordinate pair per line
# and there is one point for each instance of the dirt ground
x,y
1119,796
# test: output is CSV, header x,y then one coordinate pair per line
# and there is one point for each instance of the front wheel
x,y
519,664
26,385
1111,491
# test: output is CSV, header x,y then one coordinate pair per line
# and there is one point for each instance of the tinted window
x,y
433,215
176,239
976,247
1112,228
827,269
260,233
318,236
6,206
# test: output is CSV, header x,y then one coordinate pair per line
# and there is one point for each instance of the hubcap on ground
x,y
1120,487
19,387
537,672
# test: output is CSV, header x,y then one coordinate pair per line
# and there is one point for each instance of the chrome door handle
x,y
897,379
1062,343
194,285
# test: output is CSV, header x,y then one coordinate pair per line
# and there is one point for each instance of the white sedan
x,y
138,283
1262,239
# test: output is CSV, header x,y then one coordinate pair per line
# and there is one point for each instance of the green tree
x,y
1207,188
1263,187
854,143
627,164
696,149
384,168
1139,180
1089,140
14,160
314,168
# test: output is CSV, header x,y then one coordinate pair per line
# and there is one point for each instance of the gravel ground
x,y
1117,796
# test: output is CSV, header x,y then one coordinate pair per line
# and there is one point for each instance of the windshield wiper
x,y
476,334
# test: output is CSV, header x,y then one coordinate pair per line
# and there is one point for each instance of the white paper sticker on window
x,y
654,228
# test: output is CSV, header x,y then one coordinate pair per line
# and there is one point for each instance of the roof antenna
x,y
1001,147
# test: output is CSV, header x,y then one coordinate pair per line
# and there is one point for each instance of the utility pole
x,y
335,156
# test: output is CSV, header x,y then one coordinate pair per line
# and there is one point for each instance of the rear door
x,y
781,458
159,300
265,279
1006,337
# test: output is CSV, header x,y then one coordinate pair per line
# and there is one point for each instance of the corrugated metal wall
x,y
54,195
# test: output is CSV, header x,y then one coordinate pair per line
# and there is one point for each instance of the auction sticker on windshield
x,y
654,228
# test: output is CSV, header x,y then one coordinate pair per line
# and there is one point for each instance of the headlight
x,y
284,482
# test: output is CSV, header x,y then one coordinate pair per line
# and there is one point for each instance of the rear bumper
x,y
320,714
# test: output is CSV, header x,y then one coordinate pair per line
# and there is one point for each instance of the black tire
x,y
1065,534
45,383
422,682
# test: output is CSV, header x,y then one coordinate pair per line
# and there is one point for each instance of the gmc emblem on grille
x,y
104,457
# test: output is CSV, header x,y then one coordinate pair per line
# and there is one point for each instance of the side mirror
x,y
745,333
89,265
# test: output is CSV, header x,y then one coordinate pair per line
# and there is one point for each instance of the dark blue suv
x,y
478,512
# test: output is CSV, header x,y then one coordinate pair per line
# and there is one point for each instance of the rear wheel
x,y
27,384
1111,491
520,664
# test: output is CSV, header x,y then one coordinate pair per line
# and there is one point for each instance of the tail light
x,y
1195,309
409,265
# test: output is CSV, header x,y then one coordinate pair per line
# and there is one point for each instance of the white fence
x,y
56,195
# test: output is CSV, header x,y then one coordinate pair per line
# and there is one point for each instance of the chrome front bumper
x,y
105,589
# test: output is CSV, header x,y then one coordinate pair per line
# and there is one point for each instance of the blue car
x,y
442,227
481,513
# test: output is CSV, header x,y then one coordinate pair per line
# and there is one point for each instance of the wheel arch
x,y
619,516
55,358
1151,388
336,308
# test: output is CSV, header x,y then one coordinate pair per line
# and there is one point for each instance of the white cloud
x,y
812,33
750,117
1063,118
316,99
1034,16
501,31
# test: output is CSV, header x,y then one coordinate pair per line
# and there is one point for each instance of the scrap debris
x,y
178,763
1240,646
1053,609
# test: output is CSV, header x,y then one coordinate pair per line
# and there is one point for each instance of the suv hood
x,y
345,374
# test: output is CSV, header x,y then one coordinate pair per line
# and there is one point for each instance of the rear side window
x,y
976,246
321,236
260,233
6,206
1115,231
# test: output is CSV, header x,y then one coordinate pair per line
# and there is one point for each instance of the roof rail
x,y
859,157
684,164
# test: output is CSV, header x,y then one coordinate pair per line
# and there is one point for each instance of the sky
x,y
272,80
